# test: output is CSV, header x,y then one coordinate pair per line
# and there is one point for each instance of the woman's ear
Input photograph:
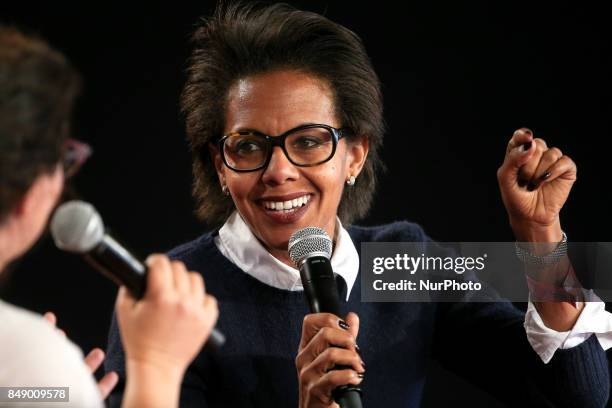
x,y
357,152
217,161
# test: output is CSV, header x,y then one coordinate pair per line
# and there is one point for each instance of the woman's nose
x,y
280,169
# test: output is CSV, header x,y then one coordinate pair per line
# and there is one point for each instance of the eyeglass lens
x,y
304,147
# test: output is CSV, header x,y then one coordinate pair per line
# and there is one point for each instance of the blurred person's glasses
x,y
304,146
74,155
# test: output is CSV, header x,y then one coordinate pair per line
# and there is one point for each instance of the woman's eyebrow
x,y
246,129
242,130
250,129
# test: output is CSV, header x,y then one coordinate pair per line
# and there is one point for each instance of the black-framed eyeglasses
x,y
305,146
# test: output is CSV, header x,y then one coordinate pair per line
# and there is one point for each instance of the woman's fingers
x,y
107,384
125,300
211,310
519,138
322,388
182,281
521,149
50,317
527,161
94,359
528,169
353,321
316,321
160,274
327,357
562,168
334,356
174,312
541,173
326,337
336,333
196,283
169,277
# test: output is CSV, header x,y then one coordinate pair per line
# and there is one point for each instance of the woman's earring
x,y
351,181
225,190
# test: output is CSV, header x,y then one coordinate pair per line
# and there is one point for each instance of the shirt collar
x,y
237,243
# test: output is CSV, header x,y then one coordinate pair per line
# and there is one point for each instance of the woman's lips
x,y
286,203
292,210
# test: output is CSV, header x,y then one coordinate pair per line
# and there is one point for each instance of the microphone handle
x,y
117,264
351,398
321,291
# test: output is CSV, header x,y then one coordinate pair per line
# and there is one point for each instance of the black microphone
x,y
77,227
310,250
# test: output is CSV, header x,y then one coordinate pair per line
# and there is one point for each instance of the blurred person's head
x,y
261,70
38,87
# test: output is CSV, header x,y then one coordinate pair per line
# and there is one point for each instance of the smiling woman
x,y
284,118
288,103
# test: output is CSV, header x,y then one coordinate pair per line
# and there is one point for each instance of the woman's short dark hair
x,y
37,90
242,40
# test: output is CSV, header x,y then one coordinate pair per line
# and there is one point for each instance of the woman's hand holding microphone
x,y
327,341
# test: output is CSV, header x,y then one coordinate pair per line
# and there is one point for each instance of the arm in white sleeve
x,y
594,319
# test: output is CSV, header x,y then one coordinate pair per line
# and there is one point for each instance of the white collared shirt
x,y
237,243
593,319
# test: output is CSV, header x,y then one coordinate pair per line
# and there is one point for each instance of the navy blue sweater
x,y
482,342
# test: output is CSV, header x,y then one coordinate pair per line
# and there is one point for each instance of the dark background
x,y
458,79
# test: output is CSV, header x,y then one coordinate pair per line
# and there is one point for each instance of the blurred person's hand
x,y
165,330
93,360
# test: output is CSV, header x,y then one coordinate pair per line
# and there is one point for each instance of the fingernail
x,y
526,146
524,130
343,324
362,364
149,260
360,375
357,348
531,186
545,175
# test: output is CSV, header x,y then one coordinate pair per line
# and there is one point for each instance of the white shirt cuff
x,y
593,319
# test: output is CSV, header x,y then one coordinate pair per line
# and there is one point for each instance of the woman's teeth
x,y
286,205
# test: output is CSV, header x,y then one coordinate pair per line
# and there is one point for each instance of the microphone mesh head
x,y
308,241
76,226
